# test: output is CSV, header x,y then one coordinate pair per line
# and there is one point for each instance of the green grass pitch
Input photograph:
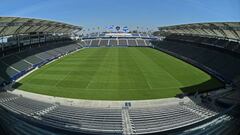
x,y
117,74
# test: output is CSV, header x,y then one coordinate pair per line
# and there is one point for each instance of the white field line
x,y
173,78
59,81
92,78
45,64
19,79
145,78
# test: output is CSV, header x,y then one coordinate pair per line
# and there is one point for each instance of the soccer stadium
x,y
60,78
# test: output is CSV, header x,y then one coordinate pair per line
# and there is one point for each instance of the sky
x,y
132,13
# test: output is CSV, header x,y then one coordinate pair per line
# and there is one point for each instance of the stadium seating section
x,y
115,42
15,65
106,120
170,116
220,43
215,57
218,56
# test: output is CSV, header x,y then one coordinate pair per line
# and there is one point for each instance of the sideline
x,y
19,79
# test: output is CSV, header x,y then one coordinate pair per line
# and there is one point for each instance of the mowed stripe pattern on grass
x,y
114,74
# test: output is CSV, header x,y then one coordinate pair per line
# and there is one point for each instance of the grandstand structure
x,y
49,118
219,42
117,39
27,44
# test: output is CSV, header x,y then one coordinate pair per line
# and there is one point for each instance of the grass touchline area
x,y
132,73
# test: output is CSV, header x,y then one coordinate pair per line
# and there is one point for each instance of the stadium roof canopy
x,y
17,25
226,30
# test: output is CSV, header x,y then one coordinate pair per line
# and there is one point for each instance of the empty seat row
x,y
158,119
221,43
114,42
86,118
109,120
15,65
25,106
223,63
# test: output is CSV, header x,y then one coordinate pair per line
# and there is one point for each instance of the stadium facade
x,y
28,44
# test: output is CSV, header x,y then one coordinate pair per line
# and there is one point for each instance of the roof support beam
x,y
8,25
29,25
232,31
216,30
